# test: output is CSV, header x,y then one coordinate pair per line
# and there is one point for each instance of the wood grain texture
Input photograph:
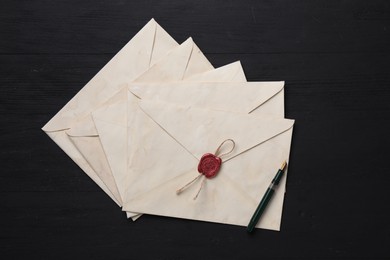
x,y
334,58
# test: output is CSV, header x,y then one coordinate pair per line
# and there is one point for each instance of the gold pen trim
x,y
283,166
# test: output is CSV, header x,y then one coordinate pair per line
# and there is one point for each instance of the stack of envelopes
x,y
140,126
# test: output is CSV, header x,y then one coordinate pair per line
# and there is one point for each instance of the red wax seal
x,y
209,165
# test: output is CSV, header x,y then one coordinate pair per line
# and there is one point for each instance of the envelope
x,y
172,141
266,97
258,98
111,126
149,45
182,61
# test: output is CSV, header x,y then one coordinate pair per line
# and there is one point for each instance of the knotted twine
x,y
208,167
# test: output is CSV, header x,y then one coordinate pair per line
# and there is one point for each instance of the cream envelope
x,y
172,141
112,121
263,97
149,45
258,98
182,61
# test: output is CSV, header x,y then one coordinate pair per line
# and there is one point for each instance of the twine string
x,y
201,186
200,175
188,184
220,146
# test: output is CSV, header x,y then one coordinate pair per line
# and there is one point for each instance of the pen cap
x,y
279,174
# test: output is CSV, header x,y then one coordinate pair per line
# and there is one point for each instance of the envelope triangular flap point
x,y
201,131
196,63
232,72
165,42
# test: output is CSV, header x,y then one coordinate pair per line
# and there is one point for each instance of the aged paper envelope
x,y
170,144
150,44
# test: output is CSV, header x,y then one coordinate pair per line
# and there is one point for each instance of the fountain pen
x,y
266,198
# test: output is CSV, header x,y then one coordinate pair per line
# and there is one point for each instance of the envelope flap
x,y
186,59
227,96
84,127
132,60
197,63
201,131
232,72
163,42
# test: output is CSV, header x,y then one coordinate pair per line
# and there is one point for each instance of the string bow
x,y
208,167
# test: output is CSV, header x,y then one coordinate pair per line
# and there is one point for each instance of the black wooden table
x,y
334,57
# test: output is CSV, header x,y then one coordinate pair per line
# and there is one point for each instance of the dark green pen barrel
x,y
260,209
277,177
